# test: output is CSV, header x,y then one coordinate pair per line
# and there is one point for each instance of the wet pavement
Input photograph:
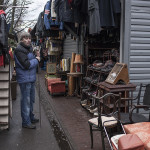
x,y
72,118
58,132
63,125
18,138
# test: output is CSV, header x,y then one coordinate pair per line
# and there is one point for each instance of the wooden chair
x,y
141,126
141,102
107,119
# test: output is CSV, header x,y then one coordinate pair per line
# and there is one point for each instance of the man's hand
x,y
38,58
38,53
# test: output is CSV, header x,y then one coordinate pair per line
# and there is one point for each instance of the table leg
x,y
76,91
68,85
80,85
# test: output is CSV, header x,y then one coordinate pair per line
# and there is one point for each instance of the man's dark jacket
x,y
25,63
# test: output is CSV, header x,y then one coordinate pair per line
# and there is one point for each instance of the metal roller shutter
x,y
135,40
136,51
69,47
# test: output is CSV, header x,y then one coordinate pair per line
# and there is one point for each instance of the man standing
x,y
26,64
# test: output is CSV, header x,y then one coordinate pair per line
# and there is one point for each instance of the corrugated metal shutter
x,y
137,40
69,46
140,42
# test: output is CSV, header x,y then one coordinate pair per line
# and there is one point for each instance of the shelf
x,y
4,80
3,123
88,81
4,106
4,97
3,89
4,71
94,84
5,114
96,48
92,57
98,71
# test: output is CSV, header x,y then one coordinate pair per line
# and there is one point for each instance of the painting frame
x,y
51,68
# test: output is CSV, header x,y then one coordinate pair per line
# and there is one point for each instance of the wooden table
x,y
105,87
78,77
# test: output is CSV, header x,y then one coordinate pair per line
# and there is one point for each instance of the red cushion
x,y
142,130
52,80
57,87
130,142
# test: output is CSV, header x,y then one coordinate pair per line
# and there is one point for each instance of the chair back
x,y
143,99
109,105
146,98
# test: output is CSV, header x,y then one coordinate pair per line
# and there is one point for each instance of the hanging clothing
x,y
1,60
76,4
3,38
63,13
3,32
84,11
70,1
40,25
116,5
107,10
48,14
94,17
53,13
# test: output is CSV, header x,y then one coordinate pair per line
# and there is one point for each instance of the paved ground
x,y
63,125
73,119
18,138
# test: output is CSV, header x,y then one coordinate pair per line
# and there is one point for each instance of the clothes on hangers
x,y
94,17
50,16
107,10
3,39
103,14
40,25
53,13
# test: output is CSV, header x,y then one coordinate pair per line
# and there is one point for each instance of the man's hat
x,y
24,35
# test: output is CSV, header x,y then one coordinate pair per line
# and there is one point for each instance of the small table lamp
x,y
78,61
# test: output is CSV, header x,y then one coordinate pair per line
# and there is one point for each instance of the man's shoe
x,y
31,126
35,120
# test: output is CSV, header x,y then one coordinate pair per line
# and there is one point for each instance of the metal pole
x,y
82,47
39,95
